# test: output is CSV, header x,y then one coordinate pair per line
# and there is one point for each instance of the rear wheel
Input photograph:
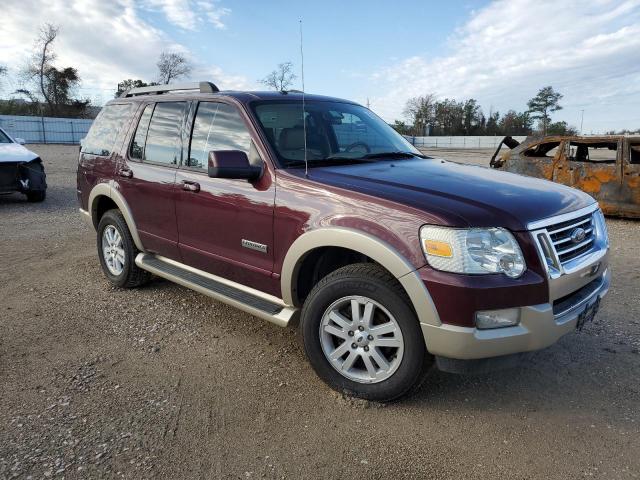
x,y
117,252
361,334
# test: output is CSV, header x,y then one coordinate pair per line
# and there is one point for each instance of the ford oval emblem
x,y
578,235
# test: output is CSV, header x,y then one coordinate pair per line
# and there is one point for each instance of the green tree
x,y
561,128
130,83
419,111
543,105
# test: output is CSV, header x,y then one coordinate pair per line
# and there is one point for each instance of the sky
x,y
499,52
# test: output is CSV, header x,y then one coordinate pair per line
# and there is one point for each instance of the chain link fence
x,y
46,129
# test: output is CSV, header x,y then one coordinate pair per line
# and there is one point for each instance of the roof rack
x,y
203,87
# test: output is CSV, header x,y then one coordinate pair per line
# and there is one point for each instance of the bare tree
x,y
44,82
281,78
172,66
40,63
420,111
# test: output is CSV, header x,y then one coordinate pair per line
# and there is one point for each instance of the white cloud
x,y
189,14
106,41
589,51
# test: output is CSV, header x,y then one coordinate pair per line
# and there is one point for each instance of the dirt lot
x,y
162,382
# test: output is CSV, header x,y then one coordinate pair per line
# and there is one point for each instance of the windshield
x,y
336,133
4,138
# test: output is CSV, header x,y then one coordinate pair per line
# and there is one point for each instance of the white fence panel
x,y
46,129
458,142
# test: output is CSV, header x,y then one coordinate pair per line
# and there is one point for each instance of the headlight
x,y
472,250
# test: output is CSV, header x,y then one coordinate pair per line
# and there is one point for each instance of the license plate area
x,y
588,313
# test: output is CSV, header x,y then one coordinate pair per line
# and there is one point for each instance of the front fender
x,y
368,245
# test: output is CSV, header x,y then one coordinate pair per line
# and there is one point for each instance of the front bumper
x,y
571,289
539,328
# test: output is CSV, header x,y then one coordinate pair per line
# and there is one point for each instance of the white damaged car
x,y
21,170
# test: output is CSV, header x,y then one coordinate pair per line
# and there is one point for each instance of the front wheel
x,y
361,335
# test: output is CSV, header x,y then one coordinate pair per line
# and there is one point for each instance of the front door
x,y
225,226
147,176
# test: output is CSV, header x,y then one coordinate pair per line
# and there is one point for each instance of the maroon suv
x,y
319,214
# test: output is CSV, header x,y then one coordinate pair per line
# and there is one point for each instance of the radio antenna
x,y
304,120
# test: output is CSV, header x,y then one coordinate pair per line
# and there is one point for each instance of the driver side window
x,y
217,126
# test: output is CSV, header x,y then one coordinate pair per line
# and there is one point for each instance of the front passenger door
x,y
215,215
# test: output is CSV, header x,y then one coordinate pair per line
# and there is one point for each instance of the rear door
x,y
594,166
147,175
630,189
225,225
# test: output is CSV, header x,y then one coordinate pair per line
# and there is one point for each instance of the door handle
x,y
190,186
125,172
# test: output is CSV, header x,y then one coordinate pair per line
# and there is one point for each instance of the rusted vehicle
x,y
606,167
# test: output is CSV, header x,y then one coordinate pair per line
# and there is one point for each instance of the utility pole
x,y
581,120
368,104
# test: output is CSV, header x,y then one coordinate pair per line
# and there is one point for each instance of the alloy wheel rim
x,y
361,339
113,250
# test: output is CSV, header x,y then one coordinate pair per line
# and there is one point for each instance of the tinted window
x,y
163,137
105,128
217,126
137,146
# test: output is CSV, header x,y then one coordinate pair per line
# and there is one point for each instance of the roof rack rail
x,y
203,87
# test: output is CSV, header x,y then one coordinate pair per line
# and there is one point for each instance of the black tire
x,y
372,281
36,196
131,276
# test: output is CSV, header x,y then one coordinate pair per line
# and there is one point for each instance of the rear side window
x,y
163,136
217,126
105,129
137,146
634,153
603,152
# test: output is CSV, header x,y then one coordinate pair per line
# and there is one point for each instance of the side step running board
x,y
244,298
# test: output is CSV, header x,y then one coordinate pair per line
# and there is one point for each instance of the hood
x,y
458,195
14,152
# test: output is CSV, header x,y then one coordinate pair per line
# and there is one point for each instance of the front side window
x,y
336,132
4,138
217,126
105,129
137,146
163,136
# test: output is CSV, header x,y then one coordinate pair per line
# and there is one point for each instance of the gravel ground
x,y
162,382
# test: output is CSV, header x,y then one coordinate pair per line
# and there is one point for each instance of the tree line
x,y
427,115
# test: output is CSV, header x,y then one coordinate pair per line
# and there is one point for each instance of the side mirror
x,y
20,140
232,164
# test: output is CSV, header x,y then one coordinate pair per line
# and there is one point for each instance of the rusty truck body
x,y
606,167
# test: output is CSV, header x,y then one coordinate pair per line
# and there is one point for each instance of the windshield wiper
x,y
395,154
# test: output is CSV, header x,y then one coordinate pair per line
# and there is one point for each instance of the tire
x,y
36,196
404,360
119,265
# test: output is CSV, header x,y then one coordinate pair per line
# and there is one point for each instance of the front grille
x,y
565,245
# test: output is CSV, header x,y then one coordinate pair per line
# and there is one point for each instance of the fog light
x,y
498,318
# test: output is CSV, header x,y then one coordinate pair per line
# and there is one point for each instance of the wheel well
x,y
101,205
319,263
